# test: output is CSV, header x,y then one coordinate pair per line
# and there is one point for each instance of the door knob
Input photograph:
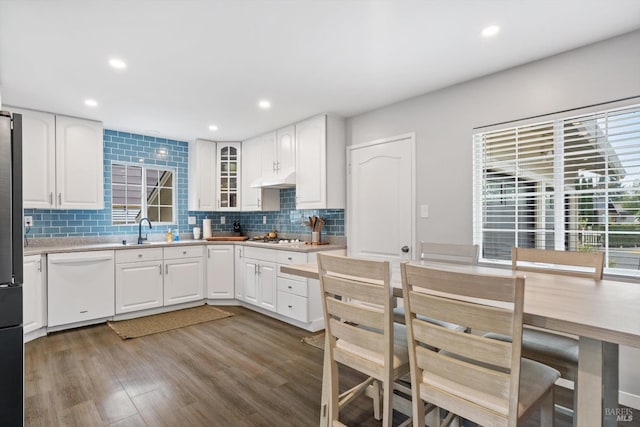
x,y
405,249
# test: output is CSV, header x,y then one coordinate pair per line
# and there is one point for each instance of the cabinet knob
x,y
139,255
289,287
184,252
290,306
290,259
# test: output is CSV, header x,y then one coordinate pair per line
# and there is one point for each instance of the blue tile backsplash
x,y
135,148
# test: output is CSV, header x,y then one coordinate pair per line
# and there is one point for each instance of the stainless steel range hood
x,y
283,179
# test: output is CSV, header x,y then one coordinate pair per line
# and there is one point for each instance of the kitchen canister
x,y
196,233
206,228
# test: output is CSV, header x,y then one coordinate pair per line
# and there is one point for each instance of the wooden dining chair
x,y
443,252
558,351
472,377
360,332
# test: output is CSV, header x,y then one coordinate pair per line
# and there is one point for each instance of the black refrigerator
x,y
11,240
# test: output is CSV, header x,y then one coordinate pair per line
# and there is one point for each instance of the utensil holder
x,y
315,237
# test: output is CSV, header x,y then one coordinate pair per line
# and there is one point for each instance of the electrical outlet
x,y
223,220
264,219
191,220
28,221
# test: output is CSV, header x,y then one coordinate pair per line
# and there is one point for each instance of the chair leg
x,y
387,402
575,402
547,409
377,402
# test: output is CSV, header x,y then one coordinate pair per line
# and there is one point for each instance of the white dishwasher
x,y
80,287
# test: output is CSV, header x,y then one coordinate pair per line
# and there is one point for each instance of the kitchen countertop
x,y
85,247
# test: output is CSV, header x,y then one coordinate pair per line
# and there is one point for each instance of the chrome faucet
x,y
140,238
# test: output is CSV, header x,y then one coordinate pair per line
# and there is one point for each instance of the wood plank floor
x,y
246,370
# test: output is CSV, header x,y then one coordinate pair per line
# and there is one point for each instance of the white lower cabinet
x,y
139,280
260,277
238,266
183,274
220,271
80,287
33,295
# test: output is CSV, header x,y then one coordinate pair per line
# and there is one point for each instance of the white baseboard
x,y
630,400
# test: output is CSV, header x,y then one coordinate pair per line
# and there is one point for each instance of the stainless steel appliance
x,y
11,240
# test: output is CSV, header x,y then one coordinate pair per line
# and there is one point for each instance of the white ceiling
x,y
195,63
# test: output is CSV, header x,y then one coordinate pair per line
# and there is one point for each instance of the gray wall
x,y
444,120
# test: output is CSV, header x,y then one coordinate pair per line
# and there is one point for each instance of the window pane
x,y
166,196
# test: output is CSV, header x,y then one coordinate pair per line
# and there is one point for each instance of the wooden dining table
x,y
602,313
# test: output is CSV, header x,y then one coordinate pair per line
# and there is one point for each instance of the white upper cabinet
x,y
257,155
62,161
202,175
228,176
79,164
39,158
320,163
285,160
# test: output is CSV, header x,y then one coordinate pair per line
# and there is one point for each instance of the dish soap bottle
x,y
169,236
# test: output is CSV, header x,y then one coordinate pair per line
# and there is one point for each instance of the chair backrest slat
x,y
362,291
467,314
371,317
593,261
449,252
364,338
493,352
469,284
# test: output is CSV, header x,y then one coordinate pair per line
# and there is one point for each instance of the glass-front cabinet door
x,y
228,176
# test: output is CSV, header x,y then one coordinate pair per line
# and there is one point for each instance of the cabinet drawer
x,y
288,257
296,287
260,253
138,254
183,252
293,306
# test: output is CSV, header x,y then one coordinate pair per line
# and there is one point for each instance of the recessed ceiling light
x,y
118,64
264,104
90,102
213,127
490,31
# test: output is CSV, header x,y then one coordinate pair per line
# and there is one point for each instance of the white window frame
x,y
559,192
144,207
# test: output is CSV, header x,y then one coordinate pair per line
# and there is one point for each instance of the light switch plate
x,y
264,219
191,220
223,220
424,211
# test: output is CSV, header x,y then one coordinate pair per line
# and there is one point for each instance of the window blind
x,y
564,184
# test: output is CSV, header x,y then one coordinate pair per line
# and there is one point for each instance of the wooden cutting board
x,y
227,238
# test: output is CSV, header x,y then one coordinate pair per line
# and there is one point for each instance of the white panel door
x,y
220,271
251,170
205,175
286,149
381,199
311,163
183,280
251,281
268,287
38,158
79,164
32,294
139,286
